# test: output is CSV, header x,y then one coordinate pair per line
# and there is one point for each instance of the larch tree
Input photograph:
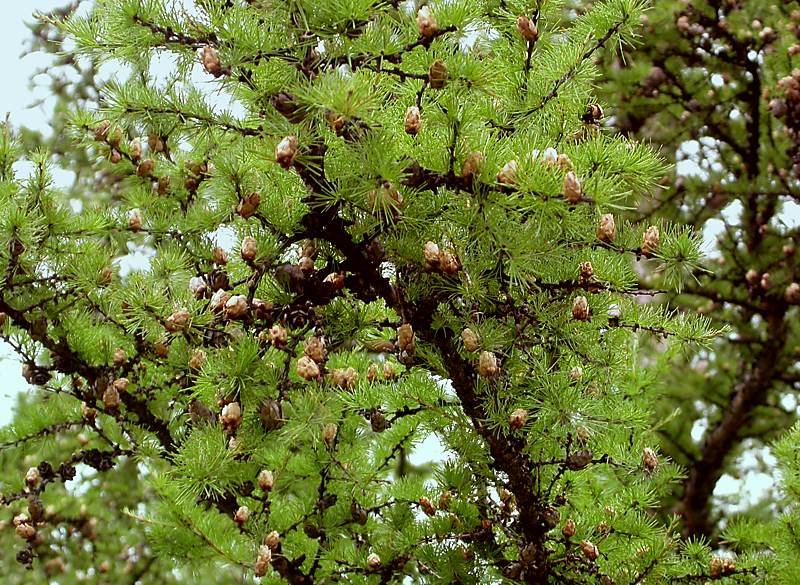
x,y
367,224
717,88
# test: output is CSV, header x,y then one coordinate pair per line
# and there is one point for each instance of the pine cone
x,y
90,414
161,349
437,74
473,164
337,122
115,138
199,413
231,417
580,308
278,335
335,280
307,368
329,433
472,341
715,567
487,365
580,459
426,23
586,272
518,419
508,174
527,28
242,515
210,60
372,372
306,264
412,121
236,307
26,531
607,230
344,378
427,506
315,349
388,371
569,528
261,309
145,168
406,339
119,359
378,421
549,518
134,220
572,188
155,143
650,241
248,205
178,321
263,561
430,251
35,375
135,150
589,550
728,566
273,540
101,130
286,151
32,477
266,481
111,400
649,459
594,113
197,286
358,514
374,561
448,263
219,300
197,359
219,256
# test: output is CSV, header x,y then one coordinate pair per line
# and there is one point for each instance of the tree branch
x,y
749,393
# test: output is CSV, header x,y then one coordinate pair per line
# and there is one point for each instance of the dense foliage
x,y
717,88
365,225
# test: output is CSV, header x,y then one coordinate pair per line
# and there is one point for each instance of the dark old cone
x,y
271,414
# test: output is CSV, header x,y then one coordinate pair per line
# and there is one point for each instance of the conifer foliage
x,y
717,86
406,226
